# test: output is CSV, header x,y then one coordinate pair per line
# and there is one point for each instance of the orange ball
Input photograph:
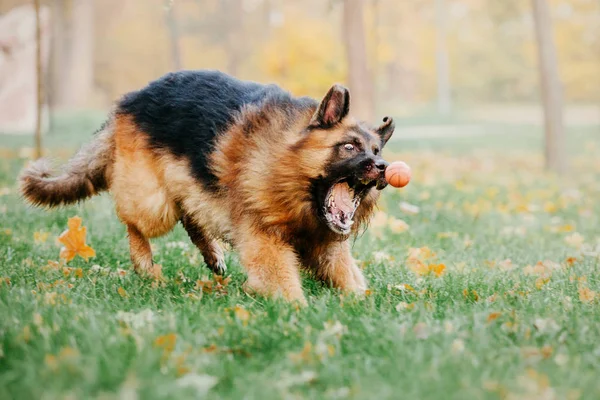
x,y
398,174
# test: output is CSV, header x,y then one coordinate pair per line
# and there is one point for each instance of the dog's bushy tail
x,y
83,176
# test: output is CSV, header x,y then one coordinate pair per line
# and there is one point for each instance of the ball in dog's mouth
x,y
341,203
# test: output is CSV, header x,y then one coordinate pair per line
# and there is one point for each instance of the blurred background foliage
x,y
299,45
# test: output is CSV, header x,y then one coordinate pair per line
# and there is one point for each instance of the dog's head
x,y
348,156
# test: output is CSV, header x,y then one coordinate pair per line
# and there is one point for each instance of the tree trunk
x,y
59,52
173,29
551,89
359,77
232,13
73,53
39,77
444,99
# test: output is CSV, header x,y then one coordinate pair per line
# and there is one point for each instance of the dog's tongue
x,y
343,198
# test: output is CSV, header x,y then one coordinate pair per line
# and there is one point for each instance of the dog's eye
x,y
349,146
375,151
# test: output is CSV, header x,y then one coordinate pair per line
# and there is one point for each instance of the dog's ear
x,y
386,129
333,108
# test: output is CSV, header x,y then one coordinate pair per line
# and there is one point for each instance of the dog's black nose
x,y
381,164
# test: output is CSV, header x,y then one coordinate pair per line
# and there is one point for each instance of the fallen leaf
x,y
575,240
73,240
506,265
471,295
493,316
40,237
405,287
397,225
447,235
122,292
438,269
458,346
586,295
166,342
404,306
540,282
241,314
571,260
409,208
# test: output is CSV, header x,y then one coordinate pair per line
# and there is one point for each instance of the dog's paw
x,y
292,295
219,267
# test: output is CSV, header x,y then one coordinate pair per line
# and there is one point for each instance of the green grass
x,y
63,336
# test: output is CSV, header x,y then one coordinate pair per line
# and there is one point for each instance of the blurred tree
x,y
232,11
173,29
360,80
303,56
72,69
40,78
442,63
551,88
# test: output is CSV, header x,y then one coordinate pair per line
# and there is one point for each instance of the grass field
x,y
483,284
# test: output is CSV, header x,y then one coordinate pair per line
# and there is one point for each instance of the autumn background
x,y
483,271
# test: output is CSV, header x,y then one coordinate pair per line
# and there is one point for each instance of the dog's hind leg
x,y
210,248
140,251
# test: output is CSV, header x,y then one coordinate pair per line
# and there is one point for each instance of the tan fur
x,y
336,267
138,183
271,264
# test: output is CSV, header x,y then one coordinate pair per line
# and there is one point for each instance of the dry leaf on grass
x,y
73,240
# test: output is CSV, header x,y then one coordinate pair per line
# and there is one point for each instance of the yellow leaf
x,y
405,287
166,343
575,240
471,295
37,320
241,314
40,237
204,285
73,240
122,292
405,306
397,225
540,282
586,295
493,316
447,235
27,333
571,260
51,361
550,207
438,269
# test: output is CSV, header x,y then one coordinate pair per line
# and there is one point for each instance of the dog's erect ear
x,y
333,108
386,129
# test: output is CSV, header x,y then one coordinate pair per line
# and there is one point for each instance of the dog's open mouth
x,y
341,203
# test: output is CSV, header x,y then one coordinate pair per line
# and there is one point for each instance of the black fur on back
x,y
186,111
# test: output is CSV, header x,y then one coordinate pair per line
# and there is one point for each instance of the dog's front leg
x,y
337,267
272,266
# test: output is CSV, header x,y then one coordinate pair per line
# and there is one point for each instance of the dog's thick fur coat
x,y
235,161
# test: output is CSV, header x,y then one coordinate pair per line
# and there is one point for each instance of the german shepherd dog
x,y
286,180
